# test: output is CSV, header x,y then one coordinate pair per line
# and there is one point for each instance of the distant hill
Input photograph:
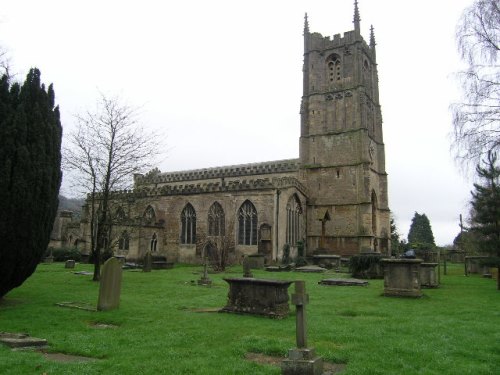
x,y
71,204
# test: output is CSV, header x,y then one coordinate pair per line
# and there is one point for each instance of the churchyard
x,y
167,323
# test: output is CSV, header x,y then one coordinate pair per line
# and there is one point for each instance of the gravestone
x,y
205,280
247,269
147,262
257,297
301,360
69,264
428,277
402,277
110,285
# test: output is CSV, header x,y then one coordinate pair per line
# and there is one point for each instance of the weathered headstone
x,y
402,277
69,264
205,280
301,360
428,278
147,262
110,285
247,270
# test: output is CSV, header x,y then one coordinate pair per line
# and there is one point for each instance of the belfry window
x,y
247,224
149,215
334,68
188,225
216,220
293,220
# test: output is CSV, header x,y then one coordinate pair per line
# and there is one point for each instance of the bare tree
x,y
476,119
219,248
4,63
107,149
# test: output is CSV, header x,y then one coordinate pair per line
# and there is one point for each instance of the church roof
x,y
252,169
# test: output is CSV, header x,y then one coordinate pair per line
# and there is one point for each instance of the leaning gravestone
x,y
110,286
148,262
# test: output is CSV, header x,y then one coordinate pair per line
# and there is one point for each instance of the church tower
x,y
342,157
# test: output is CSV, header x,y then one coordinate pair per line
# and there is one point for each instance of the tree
x,y
395,241
420,235
30,176
107,149
218,248
476,120
486,210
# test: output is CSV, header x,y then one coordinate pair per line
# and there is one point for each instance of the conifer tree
x,y
30,176
420,235
486,211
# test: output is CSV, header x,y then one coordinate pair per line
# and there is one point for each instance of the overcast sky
x,y
222,79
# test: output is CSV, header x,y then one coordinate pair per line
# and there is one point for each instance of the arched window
x,y
153,242
149,215
334,68
216,220
188,225
123,242
247,220
293,220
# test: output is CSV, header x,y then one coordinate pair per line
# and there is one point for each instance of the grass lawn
x,y
454,329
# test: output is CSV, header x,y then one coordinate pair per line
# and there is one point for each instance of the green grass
x,y
454,329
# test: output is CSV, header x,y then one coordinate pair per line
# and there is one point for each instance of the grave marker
x,y
302,360
110,285
148,262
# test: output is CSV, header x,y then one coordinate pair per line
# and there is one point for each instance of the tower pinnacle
x,y
306,24
357,19
372,37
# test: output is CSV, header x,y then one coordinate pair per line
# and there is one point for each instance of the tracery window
x,y
216,220
120,214
247,220
123,242
334,68
149,215
188,225
153,243
293,220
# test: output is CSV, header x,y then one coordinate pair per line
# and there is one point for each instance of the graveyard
x,y
168,323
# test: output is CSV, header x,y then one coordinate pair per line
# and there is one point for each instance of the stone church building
x,y
332,198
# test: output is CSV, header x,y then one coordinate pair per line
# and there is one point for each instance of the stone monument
x,y
110,285
402,277
148,262
301,360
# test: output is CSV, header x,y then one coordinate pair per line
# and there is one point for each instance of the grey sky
x,y
222,79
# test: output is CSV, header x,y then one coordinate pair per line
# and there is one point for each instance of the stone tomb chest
x,y
402,277
258,297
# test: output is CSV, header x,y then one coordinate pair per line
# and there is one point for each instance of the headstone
x,y
110,285
148,262
301,360
69,264
247,270
205,280
428,278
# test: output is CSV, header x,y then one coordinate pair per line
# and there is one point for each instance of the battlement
x,y
278,166
209,187
318,42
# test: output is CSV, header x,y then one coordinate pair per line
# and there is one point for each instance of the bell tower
x,y
342,153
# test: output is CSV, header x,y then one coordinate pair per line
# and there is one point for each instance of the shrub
x,y
63,254
365,266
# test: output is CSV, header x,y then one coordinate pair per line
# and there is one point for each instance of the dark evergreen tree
x,y
420,235
486,211
30,176
395,241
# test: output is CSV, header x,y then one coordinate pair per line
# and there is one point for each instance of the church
x,y
332,199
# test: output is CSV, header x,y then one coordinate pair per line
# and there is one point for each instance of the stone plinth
x,y
258,297
70,264
327,261
302,362
402,277
428,276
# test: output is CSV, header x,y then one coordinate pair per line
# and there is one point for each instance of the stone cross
x,y
148,262
110,285
300,299
302,360
205,280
